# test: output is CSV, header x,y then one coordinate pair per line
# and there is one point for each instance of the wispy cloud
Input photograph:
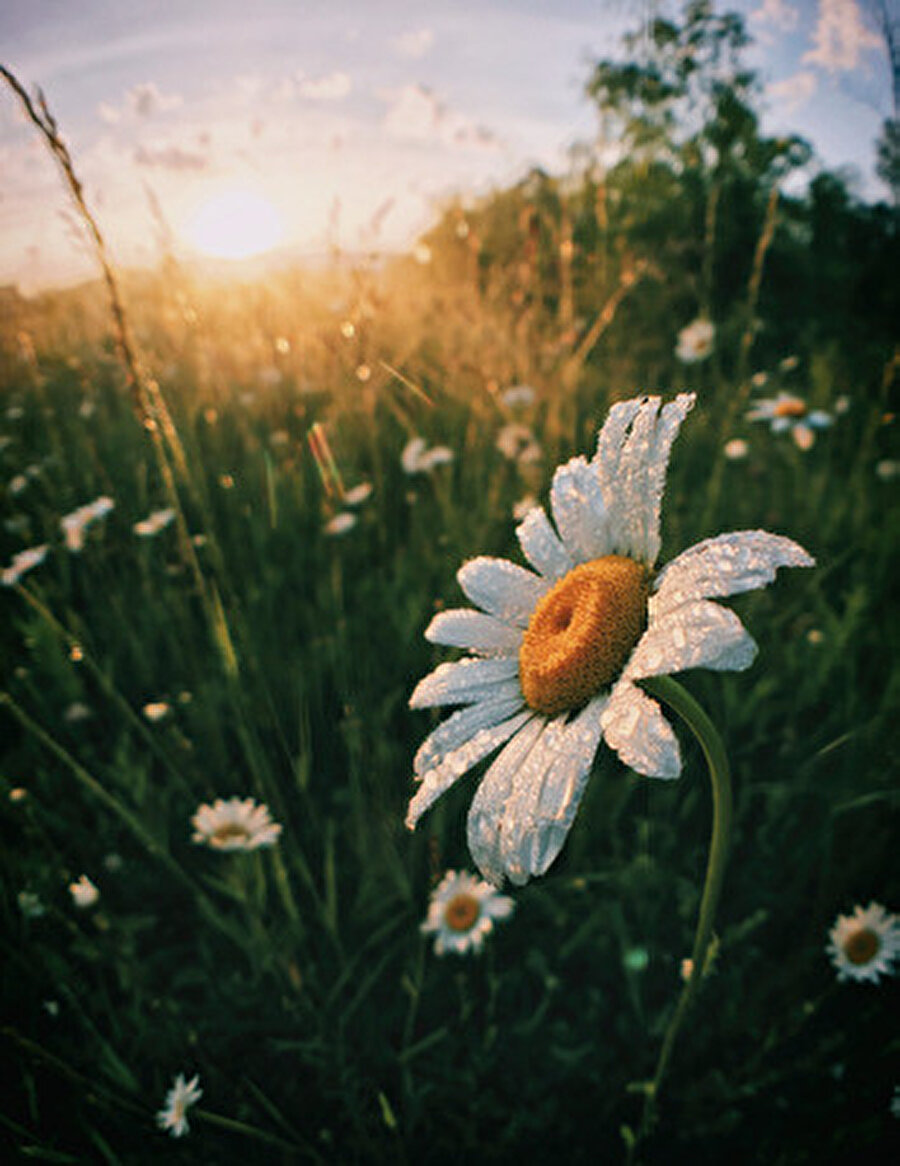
x,y
840,37
170,157
793,91
415,113
414,45
332,87
143,101
778,14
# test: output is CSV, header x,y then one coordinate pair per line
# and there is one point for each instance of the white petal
x,y
667,428
502,589
725,565
610,440
635,727
486,811
546,794
694,635
474,630
541,545
438,780
579,512
460,727
463,681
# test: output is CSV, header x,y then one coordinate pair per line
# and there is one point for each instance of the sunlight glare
x,y
236,224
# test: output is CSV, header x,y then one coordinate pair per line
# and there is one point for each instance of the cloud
x,y
778,13
332,87
840,37
414,44
170,158
145,100
793,91
415,114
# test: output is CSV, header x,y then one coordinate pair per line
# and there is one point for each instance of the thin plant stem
x,y
681,702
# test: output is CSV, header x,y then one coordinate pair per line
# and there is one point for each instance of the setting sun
x,y
236,224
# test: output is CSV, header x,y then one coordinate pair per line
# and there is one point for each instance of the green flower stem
x,y
669,691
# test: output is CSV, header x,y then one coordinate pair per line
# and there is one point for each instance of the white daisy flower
x,y
234,825
788,413
341,523
862,946
84,893
23,562
156,711
462,912
156,521
736,449
75,524
695,341
517,444
518,397
556,653
179,1099
417,458
358,494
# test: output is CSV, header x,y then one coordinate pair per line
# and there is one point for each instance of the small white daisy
x,y
156,521
417,458
179,1099
238,824
517,444
862,946
695,341
341,523
557,654
155,711
518,397
887,470
84,893
787,413
75,524
736,449
462,912
358,494
23,562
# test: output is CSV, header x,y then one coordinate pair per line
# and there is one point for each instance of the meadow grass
x,y
294,980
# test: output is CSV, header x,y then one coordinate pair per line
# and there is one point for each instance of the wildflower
x,y
234,825
516,442
179,1099
462,911
341,523
75,712
30,905
358,495
518,397
695,341
788,413
789,363
887,470
23,562
17,484
18,794
556,655
842,404
155,711
418,459
156,521
759,379
736,449
862,946
83,892
75,524
521,508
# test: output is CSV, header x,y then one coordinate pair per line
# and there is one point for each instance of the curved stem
x,y
669,691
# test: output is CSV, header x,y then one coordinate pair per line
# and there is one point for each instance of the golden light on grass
x,y
234,224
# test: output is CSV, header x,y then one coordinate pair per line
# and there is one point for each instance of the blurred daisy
x,y
17,484
179,1099
84,893
156,521
341,523
556,653
155,711
75,524
77,711
517,444
234,825
22,563
417,458
887,470
787,413
695,342
358,495
521,508
862,946
462,912
736,449
518,396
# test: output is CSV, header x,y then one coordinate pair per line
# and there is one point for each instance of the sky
x,y
298,124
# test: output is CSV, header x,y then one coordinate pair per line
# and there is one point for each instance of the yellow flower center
x,y
862,946
790,407
461,913
582,632
228,833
